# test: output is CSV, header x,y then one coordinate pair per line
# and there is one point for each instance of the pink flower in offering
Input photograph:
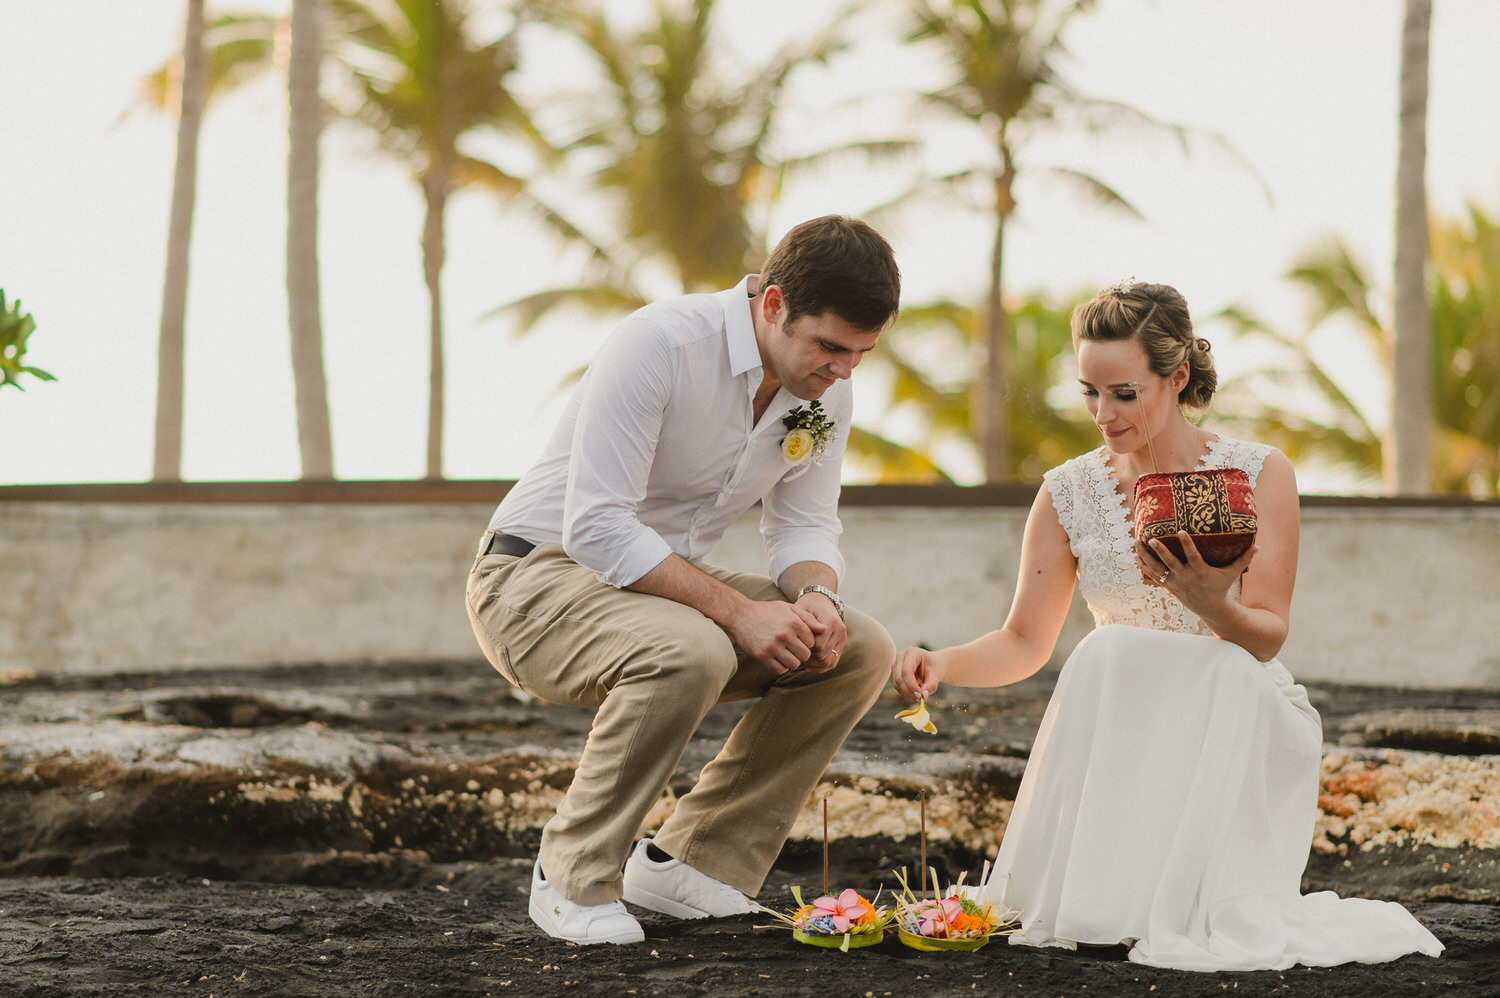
x,y
845,910
942,915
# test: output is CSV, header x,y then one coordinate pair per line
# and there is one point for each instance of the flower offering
x,y
848,921
954,921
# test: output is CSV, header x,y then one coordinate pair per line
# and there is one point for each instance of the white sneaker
x,y
577,923
676,889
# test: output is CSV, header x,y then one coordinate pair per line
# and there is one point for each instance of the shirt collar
x,y
739,328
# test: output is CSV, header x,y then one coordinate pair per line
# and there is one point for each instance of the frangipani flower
x,y
918,717
845,910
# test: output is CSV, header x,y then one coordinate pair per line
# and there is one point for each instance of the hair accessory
x,y
1121,287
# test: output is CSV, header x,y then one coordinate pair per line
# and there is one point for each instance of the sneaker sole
x,y
636,935
670,906
661,905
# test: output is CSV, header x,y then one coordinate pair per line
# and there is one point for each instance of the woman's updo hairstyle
x,y
1157,316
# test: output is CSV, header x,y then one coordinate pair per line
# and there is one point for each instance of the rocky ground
x,y
335,831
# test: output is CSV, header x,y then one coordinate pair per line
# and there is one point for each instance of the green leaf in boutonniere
x,y
808,430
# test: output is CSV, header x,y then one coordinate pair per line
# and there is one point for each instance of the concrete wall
x,y
1387,594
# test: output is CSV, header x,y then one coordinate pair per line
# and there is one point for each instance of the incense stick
x,y
922,802
825,846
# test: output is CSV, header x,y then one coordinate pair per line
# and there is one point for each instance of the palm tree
x,y
1411,405
681,151
1274,404
1049,426
415,73
220,56
191,93
1005,84
305,124
425,79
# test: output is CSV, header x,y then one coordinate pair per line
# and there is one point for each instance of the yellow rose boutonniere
x,y
808,431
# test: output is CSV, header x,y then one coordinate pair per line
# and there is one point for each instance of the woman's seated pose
x,y
1170,796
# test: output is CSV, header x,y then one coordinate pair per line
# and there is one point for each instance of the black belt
x,y
498,543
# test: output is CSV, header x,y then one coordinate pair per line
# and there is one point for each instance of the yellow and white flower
x,y
798,446
918,717
808,430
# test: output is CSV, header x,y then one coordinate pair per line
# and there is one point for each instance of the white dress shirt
x,y
658,451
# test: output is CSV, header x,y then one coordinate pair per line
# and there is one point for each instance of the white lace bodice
x,y
1096,516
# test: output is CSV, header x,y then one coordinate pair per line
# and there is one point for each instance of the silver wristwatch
x,y
838,604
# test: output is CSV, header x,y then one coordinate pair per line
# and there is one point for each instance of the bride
x,y
1170,796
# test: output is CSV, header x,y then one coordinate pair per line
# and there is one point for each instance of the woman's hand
x,y
1198,585
916,673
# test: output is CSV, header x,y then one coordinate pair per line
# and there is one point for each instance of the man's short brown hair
x,y
836,264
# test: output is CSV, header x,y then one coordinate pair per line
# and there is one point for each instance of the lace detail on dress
x,y
1096,516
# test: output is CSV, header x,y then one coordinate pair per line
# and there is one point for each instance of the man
x,y
589,586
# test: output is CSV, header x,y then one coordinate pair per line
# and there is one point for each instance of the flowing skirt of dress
x,y
1169,804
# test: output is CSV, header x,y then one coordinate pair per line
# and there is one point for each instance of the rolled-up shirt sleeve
x,y
800,515
623,399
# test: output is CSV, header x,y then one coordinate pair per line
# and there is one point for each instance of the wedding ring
x,y
1164,575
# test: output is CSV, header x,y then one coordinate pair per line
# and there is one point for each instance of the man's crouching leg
x,y
732,825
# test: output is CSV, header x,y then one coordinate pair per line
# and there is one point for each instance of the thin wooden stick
x,y
825,846
1136,387
922,800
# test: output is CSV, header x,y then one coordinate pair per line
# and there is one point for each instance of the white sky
x,y
1305,89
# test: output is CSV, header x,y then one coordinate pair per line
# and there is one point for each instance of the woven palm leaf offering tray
x,y
844,921
946,921
1216,507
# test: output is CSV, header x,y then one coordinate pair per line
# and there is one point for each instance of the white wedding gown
x,y
1170,796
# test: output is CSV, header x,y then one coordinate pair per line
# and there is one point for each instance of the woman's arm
x,y
1044,589
1259,621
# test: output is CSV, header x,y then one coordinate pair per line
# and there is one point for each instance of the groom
x,y
589,586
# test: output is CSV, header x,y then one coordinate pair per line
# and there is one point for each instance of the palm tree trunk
x,y
994,416
1411,405
435,187
305,122
167,460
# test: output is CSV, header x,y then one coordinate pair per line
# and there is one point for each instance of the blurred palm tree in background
x,y
303,297
678,149
184,90
680,153
429,74
1464,368
935,389
1005,84
423,76
1409,463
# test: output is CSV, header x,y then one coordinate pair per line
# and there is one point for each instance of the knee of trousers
x,y
695,665
869,648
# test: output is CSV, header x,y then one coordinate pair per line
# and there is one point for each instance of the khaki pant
x,y
653,667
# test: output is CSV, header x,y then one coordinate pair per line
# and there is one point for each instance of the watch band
x,y
838,603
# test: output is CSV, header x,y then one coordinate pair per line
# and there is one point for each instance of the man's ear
x,y
772,302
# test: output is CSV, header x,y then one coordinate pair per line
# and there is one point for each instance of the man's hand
x,y
830,633
778,635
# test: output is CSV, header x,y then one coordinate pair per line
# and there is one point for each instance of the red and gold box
x,y
1216,507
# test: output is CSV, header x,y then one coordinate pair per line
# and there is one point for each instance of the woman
x,y
1170,796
